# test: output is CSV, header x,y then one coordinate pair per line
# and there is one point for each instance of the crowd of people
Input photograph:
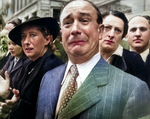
x,y
100,80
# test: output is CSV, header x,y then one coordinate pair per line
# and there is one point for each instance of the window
x,y
56,14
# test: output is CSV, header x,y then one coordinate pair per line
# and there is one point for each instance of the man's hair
x,y
121,16
148,18
99,16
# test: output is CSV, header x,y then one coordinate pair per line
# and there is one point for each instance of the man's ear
x,y
100,30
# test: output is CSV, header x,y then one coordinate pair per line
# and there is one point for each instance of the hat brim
x,y
51,24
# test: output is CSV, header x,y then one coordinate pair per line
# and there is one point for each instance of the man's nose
x,y
75,28
138,32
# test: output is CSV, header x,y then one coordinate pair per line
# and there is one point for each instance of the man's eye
x,y
84,20
143,29
66,22
133,29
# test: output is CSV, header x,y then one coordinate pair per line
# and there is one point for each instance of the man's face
x,y
112,34
138,34
79,28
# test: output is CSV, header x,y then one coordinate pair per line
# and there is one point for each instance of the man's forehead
x,y
82,6
138,21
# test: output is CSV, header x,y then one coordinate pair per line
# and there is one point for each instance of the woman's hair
x,y
45,33
121,16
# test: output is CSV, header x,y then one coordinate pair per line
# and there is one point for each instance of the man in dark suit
x,y
103,91
139,38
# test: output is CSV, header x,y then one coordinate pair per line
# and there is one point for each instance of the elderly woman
x,y
36,38
115,28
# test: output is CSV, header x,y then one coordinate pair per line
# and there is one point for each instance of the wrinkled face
x,y
80,30
138,34
33,42
112,34
15,49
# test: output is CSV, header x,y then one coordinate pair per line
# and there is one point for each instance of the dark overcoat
x,y
15,73
132,63
29,85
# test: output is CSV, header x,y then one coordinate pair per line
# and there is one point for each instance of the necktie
x,y
70,90
15,61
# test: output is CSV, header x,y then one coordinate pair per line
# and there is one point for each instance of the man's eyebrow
x,y
138,27
133,27
85,14
68,16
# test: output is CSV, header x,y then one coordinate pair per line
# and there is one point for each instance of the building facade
x,y
24,9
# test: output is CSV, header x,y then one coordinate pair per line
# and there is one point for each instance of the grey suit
x,y
107,93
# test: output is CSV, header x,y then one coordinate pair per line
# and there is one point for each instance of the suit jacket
x,y
148,61
29,85
107,93
15,73
131,63
148,66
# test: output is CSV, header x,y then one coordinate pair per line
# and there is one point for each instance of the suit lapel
x,y
148,60
89,93
119,62
18,65
9,70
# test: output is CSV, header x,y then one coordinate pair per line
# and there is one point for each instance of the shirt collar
x,y
16,59
85,68
119,52
145,54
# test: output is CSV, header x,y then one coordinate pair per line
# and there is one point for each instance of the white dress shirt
x,y
145,54
84,70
